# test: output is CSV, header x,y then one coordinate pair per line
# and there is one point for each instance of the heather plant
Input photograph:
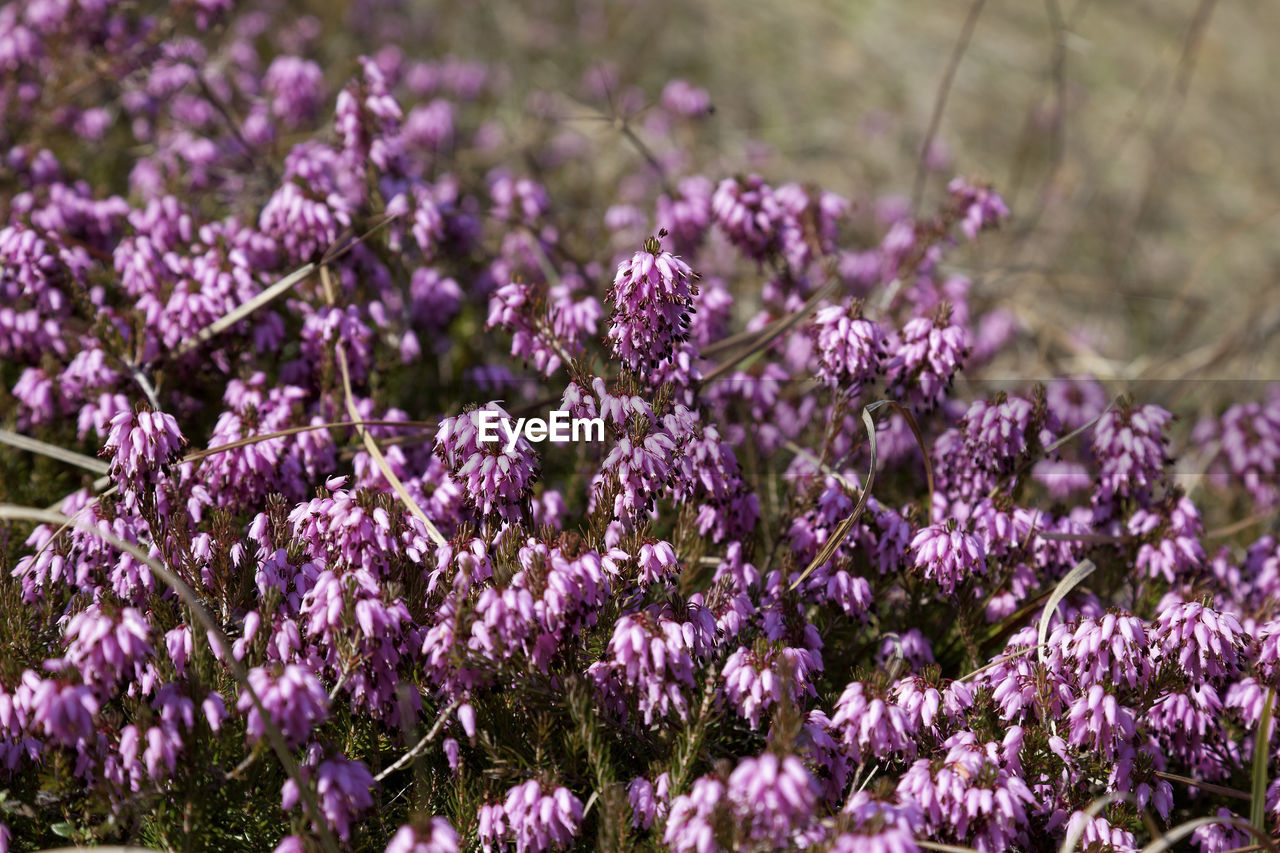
x,y
804,590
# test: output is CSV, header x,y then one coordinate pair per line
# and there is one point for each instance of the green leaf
x,y
1261,755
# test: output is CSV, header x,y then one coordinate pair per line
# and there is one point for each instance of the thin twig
x,y
147,388
1204,786
241,311
422,744
771,334
940,100
822,466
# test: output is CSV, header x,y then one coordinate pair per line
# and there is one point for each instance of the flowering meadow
x,y
264,586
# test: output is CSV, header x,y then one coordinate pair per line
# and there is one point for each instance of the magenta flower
x,y
295,86
772,797
495,480
925,360
1129,444
979,207
1099,722
104,649
690,824
437,837
652,656
1205,643
652,295
870,727
754,683
1108,651
749,214
948,555
63,712
649,800
533,818
682,98
294,699
688,215
851,349
975,795
140,445
344,789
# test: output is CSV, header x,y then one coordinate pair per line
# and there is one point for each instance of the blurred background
x,y
1135,142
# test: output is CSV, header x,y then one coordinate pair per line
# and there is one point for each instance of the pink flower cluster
x,y
254,316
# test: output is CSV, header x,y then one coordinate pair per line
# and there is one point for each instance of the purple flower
x,y
344,789
1245,446
653,296
682,98
63,712
1112,650
649,800
691,825
772,797
925,360
887,840
978,207
688,215
642,469
518,199
549,600
948,555
1173,549
755,683
532,817
657,562
871,727
1099,722
437,837
304,225
750,215
139,445
1205,644
1098,833
294,699
1129,444
974,795
105,649
811,225
496,480
652,655
851,349
430,126
296,87
768,802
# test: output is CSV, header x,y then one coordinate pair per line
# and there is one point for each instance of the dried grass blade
x,y
53,451
1182,830
237,314
371,445
1083,569
842,529
772,334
